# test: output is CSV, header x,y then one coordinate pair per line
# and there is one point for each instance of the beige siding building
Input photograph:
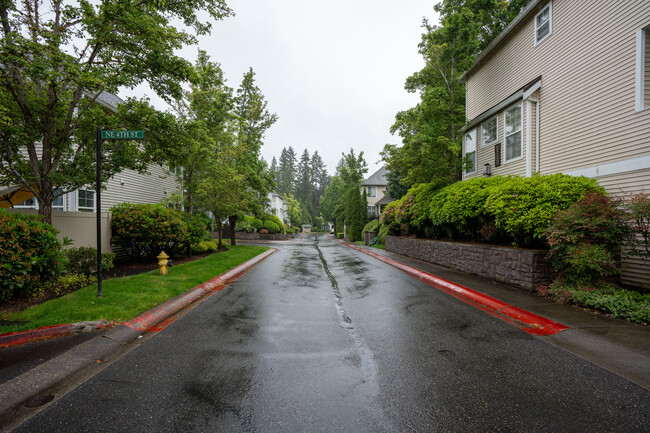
x,y
565,88
74,213
375,187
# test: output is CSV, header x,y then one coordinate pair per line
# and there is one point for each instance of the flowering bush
x,y
29,253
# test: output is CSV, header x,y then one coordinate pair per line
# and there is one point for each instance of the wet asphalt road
x,y
321,338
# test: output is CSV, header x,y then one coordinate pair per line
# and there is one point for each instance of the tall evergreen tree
x,y
274,169
286,177
320,179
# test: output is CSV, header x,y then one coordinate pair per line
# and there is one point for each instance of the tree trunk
x,y
45,199
219,231
232,220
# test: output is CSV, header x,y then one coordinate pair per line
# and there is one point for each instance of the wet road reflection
x,y
321,338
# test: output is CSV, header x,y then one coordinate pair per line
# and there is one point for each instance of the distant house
x,y
565,88
278,206
375,187
70,212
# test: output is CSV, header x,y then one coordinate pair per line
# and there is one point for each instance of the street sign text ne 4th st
x,y
122,135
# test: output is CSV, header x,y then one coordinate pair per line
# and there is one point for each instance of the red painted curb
x,y
529,322
44,333
147,320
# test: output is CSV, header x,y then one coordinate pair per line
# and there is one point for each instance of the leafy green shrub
x,y
584,239
248,224
372,226
496,209
197,227
145,230
621,303
523,207
373,241
459,209
279,225
257,223
339,235
83,260
637,207
271,226
381,236
208,246
200,248
63,284
29,252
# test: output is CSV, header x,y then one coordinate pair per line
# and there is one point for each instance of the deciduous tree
x,y
57,59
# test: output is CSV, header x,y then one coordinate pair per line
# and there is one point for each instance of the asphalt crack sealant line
x,y
367,362
525,320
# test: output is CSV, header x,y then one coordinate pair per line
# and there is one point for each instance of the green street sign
x,y
122,135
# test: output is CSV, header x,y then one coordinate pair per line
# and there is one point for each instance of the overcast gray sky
x,y
333,71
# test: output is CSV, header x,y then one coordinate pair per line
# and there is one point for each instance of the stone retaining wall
x,y
367,236
261,236
515,266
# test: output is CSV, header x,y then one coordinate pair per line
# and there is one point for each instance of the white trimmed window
x,y
489,131
372,191
372,210
85,200
27,204
470,150
58,203
512,122
642,84
544,23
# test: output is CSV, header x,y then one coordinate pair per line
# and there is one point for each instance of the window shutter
x,y
497,155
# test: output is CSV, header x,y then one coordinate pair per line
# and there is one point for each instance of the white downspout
x,y
528,140
529,136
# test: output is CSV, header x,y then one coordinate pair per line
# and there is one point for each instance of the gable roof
x,y
108,100
523,14
377,178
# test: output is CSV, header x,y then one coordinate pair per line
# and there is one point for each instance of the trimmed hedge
x,y
499,209
273,224
29,253
372,226
145,229
248,224
208,246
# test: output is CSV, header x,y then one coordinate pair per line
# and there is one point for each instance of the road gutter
x,y
525,320
50,375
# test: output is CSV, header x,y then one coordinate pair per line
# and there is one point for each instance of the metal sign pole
x,y
98,208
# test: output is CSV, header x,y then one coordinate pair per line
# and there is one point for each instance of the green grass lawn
x,y
126,297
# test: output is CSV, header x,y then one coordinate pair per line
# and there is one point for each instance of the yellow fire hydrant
x,y
162,263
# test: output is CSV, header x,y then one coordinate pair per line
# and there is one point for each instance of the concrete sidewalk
x,y
618,346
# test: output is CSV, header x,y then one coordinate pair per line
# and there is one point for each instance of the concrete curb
x,y
49,332
21,389
525,320
143,322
